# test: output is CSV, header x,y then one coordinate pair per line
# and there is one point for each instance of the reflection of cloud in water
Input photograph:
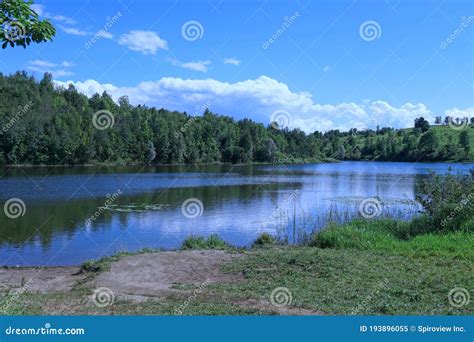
x,y
237,205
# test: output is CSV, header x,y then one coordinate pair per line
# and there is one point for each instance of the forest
x,y
41,124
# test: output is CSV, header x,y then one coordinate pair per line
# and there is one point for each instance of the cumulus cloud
x,y
146,42
460,113
231,60
258,99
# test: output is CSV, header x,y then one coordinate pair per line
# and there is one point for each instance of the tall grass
x,y
385,235
199,242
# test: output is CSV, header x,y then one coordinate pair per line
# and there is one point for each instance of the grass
x,y
381,235
264,239
340,281
103,264
444,135
364,267
198,242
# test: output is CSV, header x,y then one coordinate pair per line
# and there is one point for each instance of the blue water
x,y
145,205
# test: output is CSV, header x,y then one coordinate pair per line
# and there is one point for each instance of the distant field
x,y
445,134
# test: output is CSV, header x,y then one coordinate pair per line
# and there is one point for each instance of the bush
x,y
449,218
449,204
435,192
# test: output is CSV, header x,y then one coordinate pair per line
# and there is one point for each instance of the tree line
x,y
44,124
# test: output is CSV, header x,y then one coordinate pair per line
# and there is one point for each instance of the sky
x,y
315,65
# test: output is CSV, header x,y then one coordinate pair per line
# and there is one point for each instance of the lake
x,y
69,215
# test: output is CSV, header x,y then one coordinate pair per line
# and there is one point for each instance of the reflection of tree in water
x,y
43,221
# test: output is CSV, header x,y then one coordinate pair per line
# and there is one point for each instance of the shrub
x,y
436,192
449,218
449,204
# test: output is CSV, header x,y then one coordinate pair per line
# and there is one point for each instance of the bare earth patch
x,y
137,278
154,274
37,279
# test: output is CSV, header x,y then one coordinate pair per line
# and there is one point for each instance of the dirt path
x,y
137,278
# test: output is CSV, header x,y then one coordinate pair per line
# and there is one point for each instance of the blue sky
x,y
313,61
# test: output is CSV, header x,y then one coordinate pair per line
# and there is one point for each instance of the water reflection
x,y
239,203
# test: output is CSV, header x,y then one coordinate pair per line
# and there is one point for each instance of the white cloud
x,y
62,18
460,113
231,60
146,42
57,69
258,99
67,64
39,9
200,66
104,34
74,31
42,63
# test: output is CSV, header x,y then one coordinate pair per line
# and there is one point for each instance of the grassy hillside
x,y
445,134
409,145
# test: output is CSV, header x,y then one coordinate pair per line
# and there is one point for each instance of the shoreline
x,y
98,165
332,274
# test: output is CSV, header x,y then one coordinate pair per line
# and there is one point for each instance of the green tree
x,y
429,144
341,152
464,142
422,124
20,25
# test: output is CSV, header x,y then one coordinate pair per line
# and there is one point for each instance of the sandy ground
x,y
142,277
